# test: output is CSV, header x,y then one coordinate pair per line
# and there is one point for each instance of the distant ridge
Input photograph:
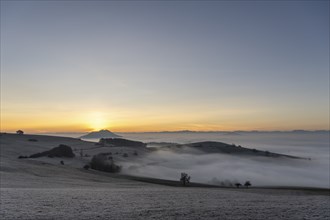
x,y
100,134
220,147
237,132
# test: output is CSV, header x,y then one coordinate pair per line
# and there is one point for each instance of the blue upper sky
x,y
200,65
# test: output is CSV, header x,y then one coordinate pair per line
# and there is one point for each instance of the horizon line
x,y
178,131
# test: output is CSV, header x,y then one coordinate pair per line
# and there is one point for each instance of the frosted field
x,y
41,188
149,202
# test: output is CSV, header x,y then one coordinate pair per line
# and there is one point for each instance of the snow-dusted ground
x,y
43,189
150,202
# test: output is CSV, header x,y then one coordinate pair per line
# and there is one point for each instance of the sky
x,y
73,66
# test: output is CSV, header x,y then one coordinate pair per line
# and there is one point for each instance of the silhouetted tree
x,y
62,162
185,179
238,185
19,132
247,184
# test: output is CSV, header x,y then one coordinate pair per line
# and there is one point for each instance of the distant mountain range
x,y
241,132
100,134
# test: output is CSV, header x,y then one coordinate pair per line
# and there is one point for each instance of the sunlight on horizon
x,y
97,120
149,66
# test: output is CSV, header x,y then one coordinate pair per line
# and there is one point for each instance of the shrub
x,y
86,167
125,155
102,163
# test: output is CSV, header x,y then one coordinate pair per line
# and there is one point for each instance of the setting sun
x,y
141,72
164,109
97,120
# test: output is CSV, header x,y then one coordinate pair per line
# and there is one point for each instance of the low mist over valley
x,y
143,109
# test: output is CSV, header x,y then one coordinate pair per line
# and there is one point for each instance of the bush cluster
x,y
103,163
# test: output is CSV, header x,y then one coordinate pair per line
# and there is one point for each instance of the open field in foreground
x,y
44,189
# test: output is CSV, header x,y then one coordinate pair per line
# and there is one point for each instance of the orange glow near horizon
x,y
133,75
97,120
49,118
